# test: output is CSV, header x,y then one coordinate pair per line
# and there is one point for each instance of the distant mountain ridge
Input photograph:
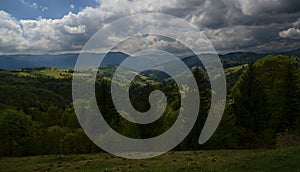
x,y
31,61
9,62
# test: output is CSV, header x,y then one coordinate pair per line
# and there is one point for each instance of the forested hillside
x,y
262,110
263,106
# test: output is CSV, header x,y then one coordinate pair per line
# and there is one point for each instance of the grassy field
x,y
216,160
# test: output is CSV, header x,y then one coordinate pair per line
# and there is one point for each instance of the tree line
x,y
262,111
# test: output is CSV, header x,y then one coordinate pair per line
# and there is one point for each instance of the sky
x,y
33,9
63,26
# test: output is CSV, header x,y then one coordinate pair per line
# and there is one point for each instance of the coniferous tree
x,y
249,101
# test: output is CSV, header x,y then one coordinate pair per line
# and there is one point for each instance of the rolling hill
x,y
10,62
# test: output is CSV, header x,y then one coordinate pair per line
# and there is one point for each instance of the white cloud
x,y
25,3
34,5
11,38
43,8
76,29
290,33
72,6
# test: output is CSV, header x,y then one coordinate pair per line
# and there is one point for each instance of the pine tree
x,y
249,101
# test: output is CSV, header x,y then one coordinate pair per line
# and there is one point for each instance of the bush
x,y
17,132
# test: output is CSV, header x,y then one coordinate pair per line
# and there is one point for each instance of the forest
x,y
262,109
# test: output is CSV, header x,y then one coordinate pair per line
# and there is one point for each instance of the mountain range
x,y
9,62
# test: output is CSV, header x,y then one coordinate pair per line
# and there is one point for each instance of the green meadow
x,y
208,160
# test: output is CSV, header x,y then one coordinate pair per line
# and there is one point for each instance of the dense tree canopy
x,y
37,115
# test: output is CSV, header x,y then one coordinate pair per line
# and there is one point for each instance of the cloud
x,y
260,25
254,7
296,23
76,29
34,5
140,43
43,8
227,13
72,6
11,38
290,33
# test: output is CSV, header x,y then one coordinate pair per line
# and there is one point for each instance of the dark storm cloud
x,y
249,24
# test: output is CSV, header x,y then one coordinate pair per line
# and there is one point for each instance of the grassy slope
x,y
224,160
234,69
39,72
